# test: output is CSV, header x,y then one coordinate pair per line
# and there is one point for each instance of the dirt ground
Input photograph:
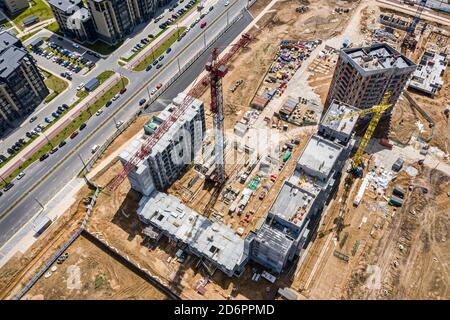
x,y
394,253
23,266
90,273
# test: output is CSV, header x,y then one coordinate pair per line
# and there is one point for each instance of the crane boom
x,y
377,112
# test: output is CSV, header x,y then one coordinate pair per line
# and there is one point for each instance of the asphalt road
x,y
69,95
44,179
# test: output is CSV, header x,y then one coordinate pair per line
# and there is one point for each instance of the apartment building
x,y
304,195
22,87
363,75
115,19
174,150
14,6
74,19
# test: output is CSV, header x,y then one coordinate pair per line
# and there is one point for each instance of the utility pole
x,y
115,121
148,93
40,204
48,140
4,181
82,161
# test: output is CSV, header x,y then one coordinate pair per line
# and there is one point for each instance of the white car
x,y
153,91
227,3
116,97
119,123
20,175
75,45
81,86
99,112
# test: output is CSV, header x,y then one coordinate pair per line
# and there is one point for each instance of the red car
x,y
123,90
74,134
159,86
203,24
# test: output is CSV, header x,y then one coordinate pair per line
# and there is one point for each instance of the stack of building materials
x,y
288,107
259,102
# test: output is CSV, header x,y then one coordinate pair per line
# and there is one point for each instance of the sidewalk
x,y
56,207
22,156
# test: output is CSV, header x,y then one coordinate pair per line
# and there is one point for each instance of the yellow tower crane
x,y
377,111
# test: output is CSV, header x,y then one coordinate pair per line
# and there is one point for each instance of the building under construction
x,y
280,236
304,195
175,149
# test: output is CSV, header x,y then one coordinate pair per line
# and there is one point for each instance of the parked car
x,y
47,119
53,150
74,134
8,186
142,101
33,119
99,112
159,66
155,62
108,103
161,58
44,156
83,125
123,90
158,86
62,144
117,96
148,68
168,50
203,24
20,175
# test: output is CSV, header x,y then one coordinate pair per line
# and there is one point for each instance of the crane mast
x,y
216,72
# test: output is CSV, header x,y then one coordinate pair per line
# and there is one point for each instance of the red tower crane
x,y
217,71
195,92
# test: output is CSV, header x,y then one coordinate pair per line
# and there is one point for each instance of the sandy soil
x,y
90,273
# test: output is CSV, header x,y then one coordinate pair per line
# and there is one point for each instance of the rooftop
x,y
378,57
428,75
7,40
214,240
319,155
337,109
292,203
277,239
68,6
10,60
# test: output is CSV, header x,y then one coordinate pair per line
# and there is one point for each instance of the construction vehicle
x,y
376,112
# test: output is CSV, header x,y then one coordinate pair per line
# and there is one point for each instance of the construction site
x,y
309,160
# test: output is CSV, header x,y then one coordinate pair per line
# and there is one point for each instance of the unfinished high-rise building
x,y
363,75
303,196
175,149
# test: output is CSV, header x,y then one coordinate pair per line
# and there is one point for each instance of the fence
x,y
135,267
90,163
52,260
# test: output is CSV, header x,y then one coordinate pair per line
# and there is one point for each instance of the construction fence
x,y
52,260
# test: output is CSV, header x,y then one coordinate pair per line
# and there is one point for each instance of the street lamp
x,y
48,140
40,204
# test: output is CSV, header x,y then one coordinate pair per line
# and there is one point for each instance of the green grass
x,y
159,33
67,131
7,24
158,51
54,83
37,8
53,27
28,35
102,77
441,11
102,47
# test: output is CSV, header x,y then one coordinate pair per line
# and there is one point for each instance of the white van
x,y
94,148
